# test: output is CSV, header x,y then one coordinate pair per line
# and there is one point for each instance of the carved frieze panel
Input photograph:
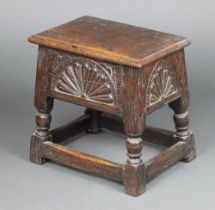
x,y
84,78
162,84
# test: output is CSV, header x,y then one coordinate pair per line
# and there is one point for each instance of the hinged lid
x,y
111,41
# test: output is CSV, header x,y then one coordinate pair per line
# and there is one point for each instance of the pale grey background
x,y
27,186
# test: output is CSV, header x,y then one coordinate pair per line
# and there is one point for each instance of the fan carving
x,y
84,78
162,84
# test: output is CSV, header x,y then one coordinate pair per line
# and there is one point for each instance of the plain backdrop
x,y
26,186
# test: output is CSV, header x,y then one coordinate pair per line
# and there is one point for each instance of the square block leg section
x,y
134,179
190,150
36,154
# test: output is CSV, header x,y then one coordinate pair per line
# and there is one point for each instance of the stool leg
x,y
181,118
185,134
133,121
44,105
43,120
94,126
134,172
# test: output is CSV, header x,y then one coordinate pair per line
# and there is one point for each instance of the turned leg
x,y
134,124
181,115
41,134
184,133
44,105
94,126
181,119
134,172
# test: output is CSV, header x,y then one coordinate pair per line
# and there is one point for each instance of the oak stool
x,y
121,73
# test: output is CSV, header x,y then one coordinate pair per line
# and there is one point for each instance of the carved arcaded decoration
x,y
162,84
85,78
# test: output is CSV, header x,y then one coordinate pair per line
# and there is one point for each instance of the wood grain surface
x,y
110,41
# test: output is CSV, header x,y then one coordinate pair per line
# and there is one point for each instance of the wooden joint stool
x,y
120,73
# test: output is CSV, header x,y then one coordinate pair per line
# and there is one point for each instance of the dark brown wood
x,y
71,129
190,150
166,159
134,179
153,135
121,73
82,102
41,100
44,105
134,125
133,102
36,155
159,136
111,41
41,134
94,124
163,79
181,115
182,103
183,133
82,161
84,81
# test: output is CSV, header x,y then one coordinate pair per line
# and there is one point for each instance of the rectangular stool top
x,y
110,41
